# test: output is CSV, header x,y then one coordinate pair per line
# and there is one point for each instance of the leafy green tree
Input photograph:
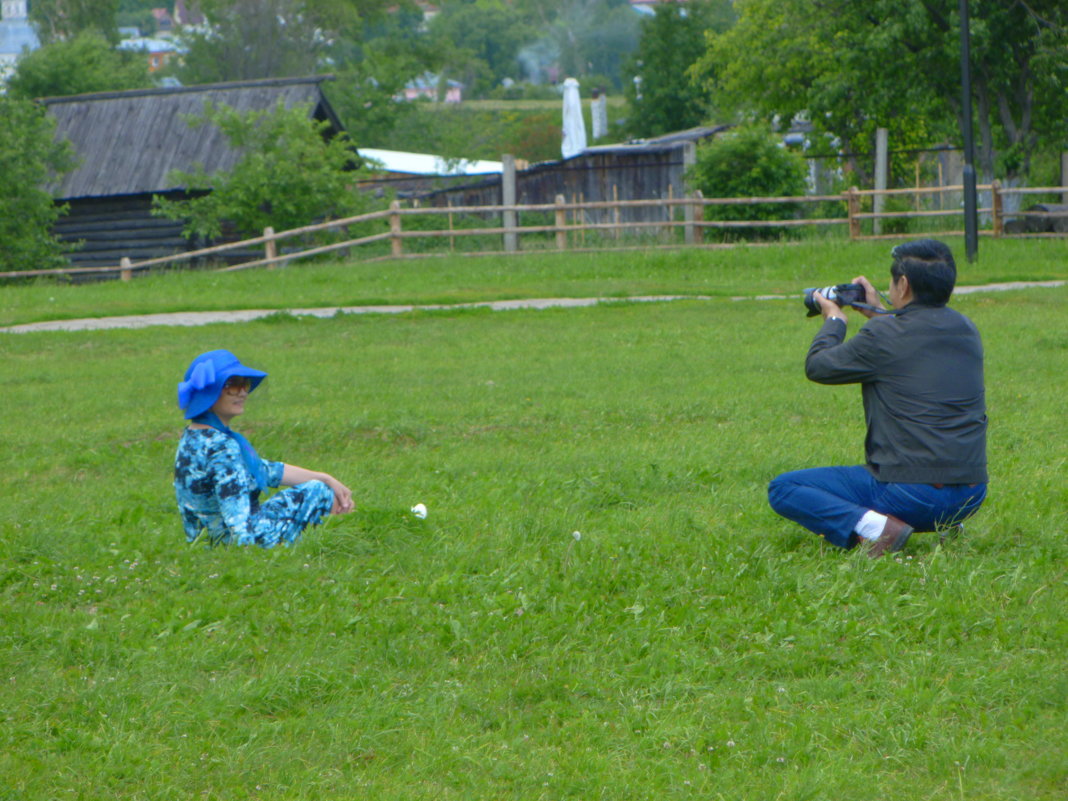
x,y
671,42
288,175
249,39
853,67
86,63
749,162
29,158
594,39
480,42
55,20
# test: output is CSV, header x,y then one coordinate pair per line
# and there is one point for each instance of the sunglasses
x,y
238,383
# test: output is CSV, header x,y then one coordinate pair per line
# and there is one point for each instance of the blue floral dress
x,y
216,491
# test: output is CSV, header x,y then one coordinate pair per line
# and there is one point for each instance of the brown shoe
x,y
895,534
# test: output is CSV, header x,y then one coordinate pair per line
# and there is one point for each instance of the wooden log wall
x,y
109,229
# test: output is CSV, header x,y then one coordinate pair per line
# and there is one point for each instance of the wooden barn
x,y
129,142
652,168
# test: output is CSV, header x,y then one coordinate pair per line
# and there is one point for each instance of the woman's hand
x,y
342,496
293,475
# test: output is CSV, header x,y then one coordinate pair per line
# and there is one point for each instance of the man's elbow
x,y
813,371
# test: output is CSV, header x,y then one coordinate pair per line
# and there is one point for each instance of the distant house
x,y
158,52
427,87
164,20
129,142
187,14
16,35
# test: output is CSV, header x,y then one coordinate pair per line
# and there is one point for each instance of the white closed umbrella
x,y
574,125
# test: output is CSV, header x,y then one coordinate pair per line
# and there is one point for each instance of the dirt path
x,y
207,317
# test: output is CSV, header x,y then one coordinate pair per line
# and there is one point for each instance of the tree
x,y
86,63
480,42
288,175
854,67
749,162
248,39
671,42
29,158
55,20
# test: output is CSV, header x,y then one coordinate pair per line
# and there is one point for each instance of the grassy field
x,y
753,271
600,604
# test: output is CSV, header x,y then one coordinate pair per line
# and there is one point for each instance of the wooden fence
x,y
564,226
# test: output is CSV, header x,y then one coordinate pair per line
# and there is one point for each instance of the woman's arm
x,y
293,475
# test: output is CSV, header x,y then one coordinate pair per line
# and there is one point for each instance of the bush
x,y
749,162
289,175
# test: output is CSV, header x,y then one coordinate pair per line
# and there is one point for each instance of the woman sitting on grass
x,y
218,477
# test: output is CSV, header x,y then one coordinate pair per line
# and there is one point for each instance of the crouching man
x,y
921,374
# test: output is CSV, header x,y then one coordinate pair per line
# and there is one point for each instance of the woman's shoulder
x,y
206,440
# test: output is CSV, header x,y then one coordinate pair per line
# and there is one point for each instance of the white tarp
x,y
574,125
427,164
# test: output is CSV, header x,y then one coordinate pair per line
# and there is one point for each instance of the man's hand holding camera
x,y
831,310
871,297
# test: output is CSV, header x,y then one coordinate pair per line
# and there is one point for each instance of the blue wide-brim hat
x,y
205,378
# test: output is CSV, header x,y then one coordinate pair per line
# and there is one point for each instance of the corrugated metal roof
x,y
128,142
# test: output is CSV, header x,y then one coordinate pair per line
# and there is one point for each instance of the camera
x,y
840,294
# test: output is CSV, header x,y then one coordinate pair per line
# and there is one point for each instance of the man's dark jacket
x,y
921,372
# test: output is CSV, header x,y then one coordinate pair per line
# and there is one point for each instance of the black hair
x,y
930,268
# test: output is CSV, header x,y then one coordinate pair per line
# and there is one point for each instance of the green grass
x,y
772,269
689,644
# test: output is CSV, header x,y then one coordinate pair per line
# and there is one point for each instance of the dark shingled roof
x,y
128,142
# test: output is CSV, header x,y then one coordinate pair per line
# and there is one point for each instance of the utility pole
x,y
971,215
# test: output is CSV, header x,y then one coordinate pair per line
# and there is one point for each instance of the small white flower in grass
x,y
730,743
419,510
577,535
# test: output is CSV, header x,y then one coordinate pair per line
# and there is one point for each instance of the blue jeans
x,y
831,500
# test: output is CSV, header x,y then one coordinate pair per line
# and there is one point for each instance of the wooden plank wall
x,y
623,174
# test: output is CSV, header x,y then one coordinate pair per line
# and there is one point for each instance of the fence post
x,y
508,197
698,217
452,239
125,273
270,247
670,216
615,211
853,204
579,217
396,245
689,211
881,162
996,208
1064,175
688,214
561,223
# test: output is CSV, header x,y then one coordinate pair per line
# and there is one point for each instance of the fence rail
x,y
572,220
